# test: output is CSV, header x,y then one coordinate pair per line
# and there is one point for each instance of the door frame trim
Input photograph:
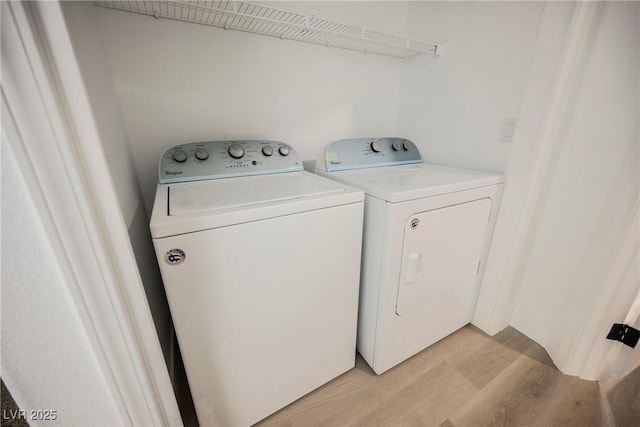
x,y
49,125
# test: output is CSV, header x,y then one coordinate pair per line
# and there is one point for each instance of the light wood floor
x,y
623,397
466,379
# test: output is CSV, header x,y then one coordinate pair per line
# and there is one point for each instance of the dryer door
x,y
441,255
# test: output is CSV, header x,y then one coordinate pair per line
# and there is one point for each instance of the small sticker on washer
x,y
331,156
175,256
414,223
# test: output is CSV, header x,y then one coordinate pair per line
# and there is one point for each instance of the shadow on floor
x,y
10,415
624,399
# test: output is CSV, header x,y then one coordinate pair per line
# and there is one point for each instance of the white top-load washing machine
x,y
260,263
427,230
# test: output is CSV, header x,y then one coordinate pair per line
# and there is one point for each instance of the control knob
x,y
395,146
267,150
406,146
376,147
179,156
284,150
236,151
202,154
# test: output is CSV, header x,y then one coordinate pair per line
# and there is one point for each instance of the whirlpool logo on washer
x,y
175,256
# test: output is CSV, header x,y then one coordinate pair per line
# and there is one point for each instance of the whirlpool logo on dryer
x,y
173,172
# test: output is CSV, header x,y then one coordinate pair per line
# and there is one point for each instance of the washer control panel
x,y
197,161
359,153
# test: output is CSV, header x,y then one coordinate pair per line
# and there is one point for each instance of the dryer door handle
x,y
412,266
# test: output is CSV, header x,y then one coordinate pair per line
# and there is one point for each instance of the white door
x,y
441,254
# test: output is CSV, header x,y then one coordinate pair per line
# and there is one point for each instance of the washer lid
x,y
195,206
410,182
190,198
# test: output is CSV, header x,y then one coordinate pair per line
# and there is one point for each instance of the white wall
x,y
81,18
453,106
47,359
179,82
197,82
82,25
592,186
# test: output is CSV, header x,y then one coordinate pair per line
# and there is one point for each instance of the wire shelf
x,y
268,21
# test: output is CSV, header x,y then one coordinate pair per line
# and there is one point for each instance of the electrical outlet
x,y
508,128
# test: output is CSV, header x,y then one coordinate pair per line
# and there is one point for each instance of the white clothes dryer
x,y
260,262
427,231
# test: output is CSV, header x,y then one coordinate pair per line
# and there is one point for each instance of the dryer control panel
x,y
197,161
359,153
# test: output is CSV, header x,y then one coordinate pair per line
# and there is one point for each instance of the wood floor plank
x,y
576,402
427,401
529,393
510,399
520,343
624,399
485,358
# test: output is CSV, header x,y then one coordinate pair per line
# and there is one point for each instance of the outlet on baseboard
x,y
233,135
